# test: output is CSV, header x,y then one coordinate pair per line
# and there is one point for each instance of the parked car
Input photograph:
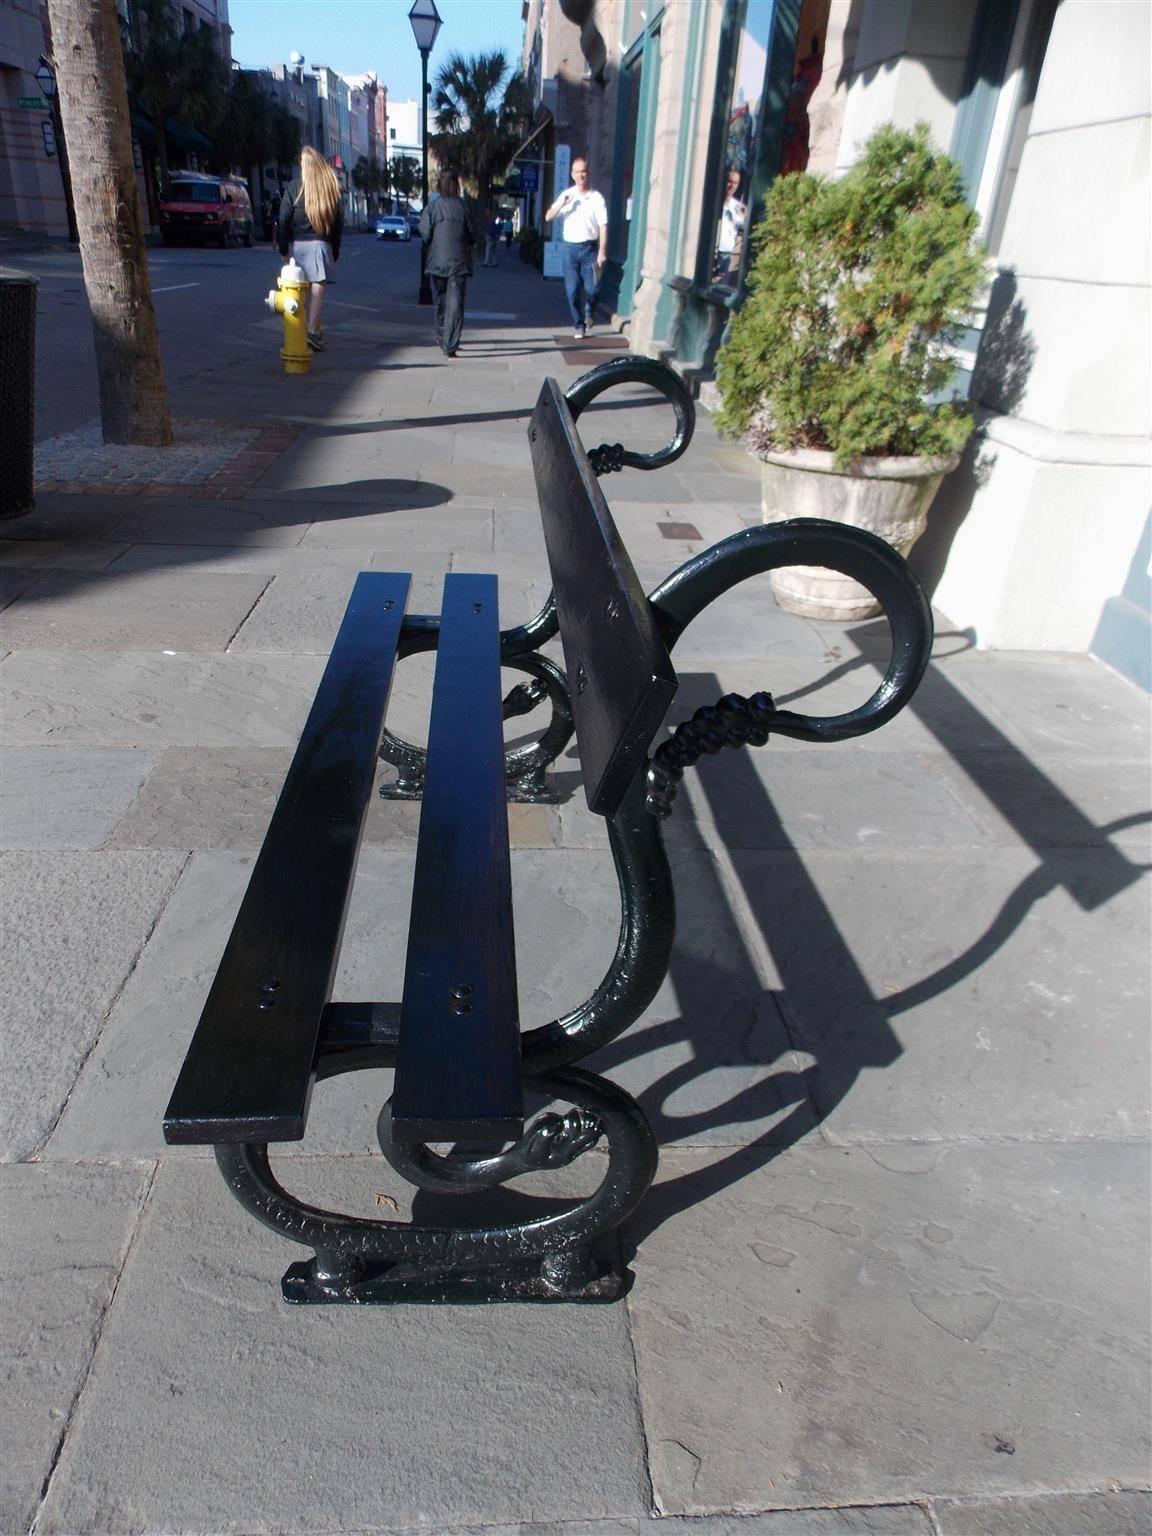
x,y
392,226
413,217
205,209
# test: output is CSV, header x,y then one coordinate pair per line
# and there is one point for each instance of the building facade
x,y
32,198
1040,540
31,189
406,139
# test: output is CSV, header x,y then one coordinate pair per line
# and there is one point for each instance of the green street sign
x,y
33,103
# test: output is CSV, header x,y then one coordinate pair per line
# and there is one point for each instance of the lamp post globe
x,y
425,22
46,80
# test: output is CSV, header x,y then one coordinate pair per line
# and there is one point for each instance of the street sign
x,y
529,178
32,103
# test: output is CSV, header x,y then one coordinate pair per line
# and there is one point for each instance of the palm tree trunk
x,y
94,105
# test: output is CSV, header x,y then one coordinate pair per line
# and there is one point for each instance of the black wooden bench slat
x,y
248,1072
619,669
458,1056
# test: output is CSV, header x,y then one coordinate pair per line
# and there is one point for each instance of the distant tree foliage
x,y
481,110
251,127
371,179
405,175
177,72
172,72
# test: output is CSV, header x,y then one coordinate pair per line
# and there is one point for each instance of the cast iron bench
x,y
269,1029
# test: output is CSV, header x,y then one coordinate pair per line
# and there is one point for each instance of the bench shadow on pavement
x,y
814,988
1039,813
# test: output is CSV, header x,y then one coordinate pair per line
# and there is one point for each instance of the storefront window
x,y
636,14
740,142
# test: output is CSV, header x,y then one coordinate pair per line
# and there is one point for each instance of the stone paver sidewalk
x,y
894,1276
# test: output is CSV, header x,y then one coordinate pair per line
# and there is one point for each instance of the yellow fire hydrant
x,y
290,299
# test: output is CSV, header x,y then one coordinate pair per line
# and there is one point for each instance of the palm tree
x,y
285,138
242,132
94,107
172,72
479,110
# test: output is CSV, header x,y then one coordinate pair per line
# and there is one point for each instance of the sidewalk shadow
x,y
827,984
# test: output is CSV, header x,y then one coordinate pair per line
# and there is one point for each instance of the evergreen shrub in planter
x,y
837,367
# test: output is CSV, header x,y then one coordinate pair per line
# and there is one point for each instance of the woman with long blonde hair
x,y
309,228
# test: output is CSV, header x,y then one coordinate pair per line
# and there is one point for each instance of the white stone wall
x,y
1048,525
907,68
1052,529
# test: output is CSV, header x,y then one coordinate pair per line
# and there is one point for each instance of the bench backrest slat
x,y
458,1056
249,1068
619,670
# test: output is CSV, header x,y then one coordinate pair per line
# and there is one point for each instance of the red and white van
x,y
205,210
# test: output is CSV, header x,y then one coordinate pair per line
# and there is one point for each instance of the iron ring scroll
x,y
735,721
635,370
523,766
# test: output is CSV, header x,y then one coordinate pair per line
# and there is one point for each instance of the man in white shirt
x,y
585,244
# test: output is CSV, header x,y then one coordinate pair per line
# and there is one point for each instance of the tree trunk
x,y
94,106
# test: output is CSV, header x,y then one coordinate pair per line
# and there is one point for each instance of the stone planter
x,y
889,497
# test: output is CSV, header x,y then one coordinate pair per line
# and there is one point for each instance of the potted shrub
x,y
837,368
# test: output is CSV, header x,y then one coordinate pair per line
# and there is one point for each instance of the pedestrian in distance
x,y
446,230
585,244
491,238
309,227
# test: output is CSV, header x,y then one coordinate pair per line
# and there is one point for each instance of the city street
x,y
209,307
892,1278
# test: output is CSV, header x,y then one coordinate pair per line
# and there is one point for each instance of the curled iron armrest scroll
x,y
635,370
735,721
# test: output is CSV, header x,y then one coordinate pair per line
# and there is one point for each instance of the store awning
x,y
536,132
185,135
181,134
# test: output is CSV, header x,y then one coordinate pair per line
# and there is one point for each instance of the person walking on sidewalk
x,y
585,243
491,237
446,230
309,225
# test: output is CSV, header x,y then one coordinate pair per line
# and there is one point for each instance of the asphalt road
x,y
208,305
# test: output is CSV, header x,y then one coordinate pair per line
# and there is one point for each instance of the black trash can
x,y
17,390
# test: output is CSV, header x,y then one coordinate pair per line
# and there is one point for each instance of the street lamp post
x,y
425,21
46,80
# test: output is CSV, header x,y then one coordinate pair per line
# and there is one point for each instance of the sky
x,y
354,36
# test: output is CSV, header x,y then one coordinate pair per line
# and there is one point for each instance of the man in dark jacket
x,y
446,230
